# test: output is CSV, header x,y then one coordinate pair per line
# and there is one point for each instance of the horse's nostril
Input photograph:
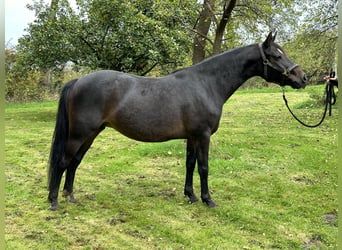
x,y
304,78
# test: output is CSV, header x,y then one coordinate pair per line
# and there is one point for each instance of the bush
x,y
257,83
28,87
317,97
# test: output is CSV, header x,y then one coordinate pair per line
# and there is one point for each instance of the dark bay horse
x,y
187,104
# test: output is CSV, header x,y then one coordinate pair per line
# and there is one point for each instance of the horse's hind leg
x,y
71,170
57,174
55,181
76,147
69,179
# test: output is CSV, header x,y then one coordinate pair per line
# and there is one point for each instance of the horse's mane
x,y
210,58
178,70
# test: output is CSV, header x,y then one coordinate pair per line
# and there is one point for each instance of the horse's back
x,y
104,80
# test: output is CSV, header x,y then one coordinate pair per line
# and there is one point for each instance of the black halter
x,y
266,62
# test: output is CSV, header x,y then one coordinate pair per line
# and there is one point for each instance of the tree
x,y
225,23
315,44
131,36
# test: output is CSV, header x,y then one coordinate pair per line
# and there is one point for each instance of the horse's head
x,y
277,66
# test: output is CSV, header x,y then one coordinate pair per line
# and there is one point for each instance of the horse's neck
x,y
233,68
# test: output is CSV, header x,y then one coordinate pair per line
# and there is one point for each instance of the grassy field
x,y
275,182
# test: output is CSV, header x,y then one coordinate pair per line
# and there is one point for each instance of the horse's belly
x,y
151,127
150,134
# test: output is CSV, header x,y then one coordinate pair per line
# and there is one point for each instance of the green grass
x,y
274,180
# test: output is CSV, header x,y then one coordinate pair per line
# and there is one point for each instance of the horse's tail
x,y
60,134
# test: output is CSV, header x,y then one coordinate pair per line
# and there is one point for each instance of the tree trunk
x,y
227,13
54,8
202,29
46,73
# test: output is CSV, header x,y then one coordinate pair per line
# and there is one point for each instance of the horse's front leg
x,y
190,166
202,151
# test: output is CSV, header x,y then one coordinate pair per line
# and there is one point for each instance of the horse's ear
x,y
268,40
274,36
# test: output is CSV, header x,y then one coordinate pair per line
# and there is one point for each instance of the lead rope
x,y
329,101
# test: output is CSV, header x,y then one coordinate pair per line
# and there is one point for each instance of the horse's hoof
x,y
69,196
210,203
53,207
72,199
193,199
